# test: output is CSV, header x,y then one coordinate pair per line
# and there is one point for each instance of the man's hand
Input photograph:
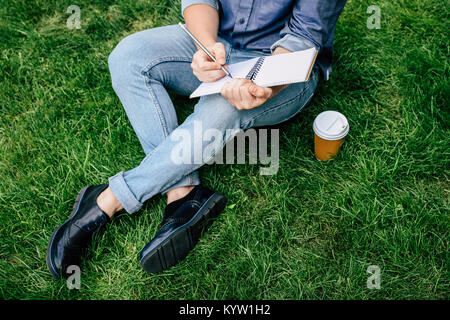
x,y
204,68
244,94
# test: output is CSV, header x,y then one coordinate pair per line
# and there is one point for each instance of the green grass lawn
x,y
308,232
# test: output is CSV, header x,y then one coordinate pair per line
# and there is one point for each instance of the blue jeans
x,y
143,66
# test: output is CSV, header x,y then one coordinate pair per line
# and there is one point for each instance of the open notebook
x,y
266,71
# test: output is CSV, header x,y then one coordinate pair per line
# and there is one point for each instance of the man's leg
x,y
188,147
212,113
142,66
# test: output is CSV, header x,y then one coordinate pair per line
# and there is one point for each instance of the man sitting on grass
x,y
144,65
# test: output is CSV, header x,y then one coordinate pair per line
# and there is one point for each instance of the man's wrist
x,y
280,50
293,43
209,43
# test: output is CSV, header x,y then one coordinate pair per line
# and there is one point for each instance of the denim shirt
x,y
266,24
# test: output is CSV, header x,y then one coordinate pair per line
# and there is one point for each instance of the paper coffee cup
x,y
330,129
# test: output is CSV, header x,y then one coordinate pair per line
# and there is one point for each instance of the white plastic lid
x,y
331,125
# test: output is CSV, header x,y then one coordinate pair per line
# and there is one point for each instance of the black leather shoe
x,y
68,241
181,228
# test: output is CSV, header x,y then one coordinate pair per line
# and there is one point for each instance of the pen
x,y
203,48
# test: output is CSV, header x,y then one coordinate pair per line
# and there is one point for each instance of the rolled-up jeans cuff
x,y
192,179
123,193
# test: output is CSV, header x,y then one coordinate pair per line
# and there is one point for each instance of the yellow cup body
x,y
326,149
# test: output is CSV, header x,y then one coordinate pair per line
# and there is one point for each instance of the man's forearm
x,y
203,22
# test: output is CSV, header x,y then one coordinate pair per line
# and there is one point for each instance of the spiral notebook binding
x,y
255,70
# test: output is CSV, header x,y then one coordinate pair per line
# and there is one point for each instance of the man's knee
x,y
119,61
218,113
126,61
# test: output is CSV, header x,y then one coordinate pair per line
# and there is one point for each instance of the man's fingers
x,y
203,62
235,90
260,92
245,93
209,65
214,75
218,51
230,90
255,90
207,70
225,91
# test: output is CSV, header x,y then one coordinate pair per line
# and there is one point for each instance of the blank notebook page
x,y
274,70
286,68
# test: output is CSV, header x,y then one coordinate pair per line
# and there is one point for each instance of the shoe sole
x,y
50,265
183,239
